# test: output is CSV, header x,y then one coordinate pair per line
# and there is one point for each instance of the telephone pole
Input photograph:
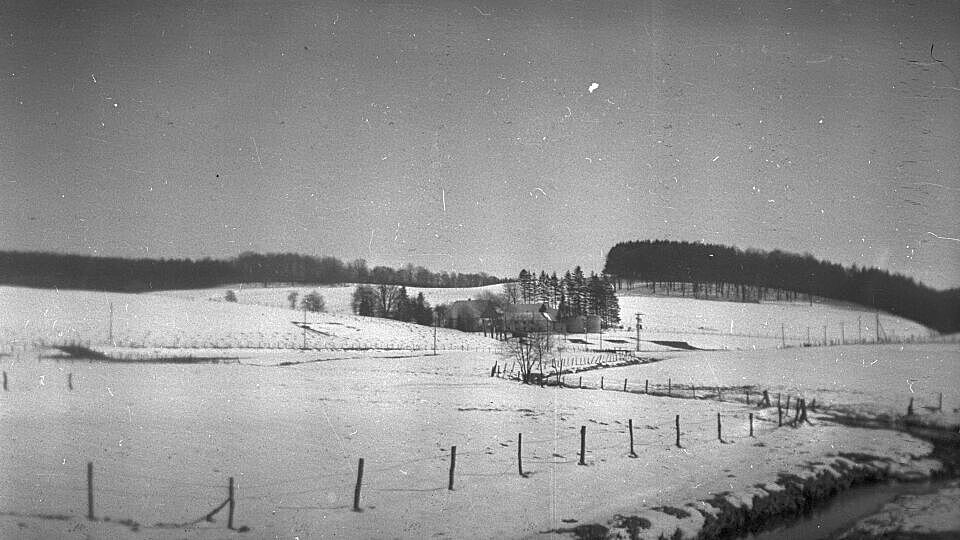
x,y
638,332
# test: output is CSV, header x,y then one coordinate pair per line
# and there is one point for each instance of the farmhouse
x,y
523,318
470,315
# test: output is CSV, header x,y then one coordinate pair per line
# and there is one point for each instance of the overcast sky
x,y
483,136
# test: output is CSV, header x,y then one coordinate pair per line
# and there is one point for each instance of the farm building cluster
x,y
518,319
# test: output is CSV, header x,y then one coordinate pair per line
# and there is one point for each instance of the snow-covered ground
x,y
290,425
338,299
164,439
157,320
714,324
866,380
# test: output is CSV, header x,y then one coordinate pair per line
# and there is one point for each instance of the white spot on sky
x,y
593,86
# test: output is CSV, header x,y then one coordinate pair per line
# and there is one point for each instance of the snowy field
x,y
713,324
164,439
866,380
338,299
161,321
704,324
290,425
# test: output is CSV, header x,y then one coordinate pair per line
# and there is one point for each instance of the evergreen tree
x,y
543,288
526,286
422,314
554,290
364,300
578,295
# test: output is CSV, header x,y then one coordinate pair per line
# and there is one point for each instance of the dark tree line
x,y
50,270
571,295
753,275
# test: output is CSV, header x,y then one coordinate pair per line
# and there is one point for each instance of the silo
x,y
593,324
575,325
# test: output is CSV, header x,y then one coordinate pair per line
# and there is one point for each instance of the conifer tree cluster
x,y
571,295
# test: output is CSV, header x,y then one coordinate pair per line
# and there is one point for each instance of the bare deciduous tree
x,y
529,352
511,291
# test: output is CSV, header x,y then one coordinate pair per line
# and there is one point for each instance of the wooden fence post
x,y
580,384
583,444
356,491
751,424
646,386
787,408
766,398
678,431
910,408
748,396
670,389
779,416
625,385
90,490
601,383
453,465
231,505
632,453
69,381
693,388
520,454
719,432
4,381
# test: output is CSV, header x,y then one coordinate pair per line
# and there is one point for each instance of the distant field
x,y
712,324
160,320
338,299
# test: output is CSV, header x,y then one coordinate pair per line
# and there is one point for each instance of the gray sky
x,y
465,135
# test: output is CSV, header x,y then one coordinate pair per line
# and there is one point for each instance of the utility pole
x,y
878,326
638,332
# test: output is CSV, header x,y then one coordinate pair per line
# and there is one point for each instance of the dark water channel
x,y
843,511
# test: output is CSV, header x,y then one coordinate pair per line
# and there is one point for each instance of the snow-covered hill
x,y
159,320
